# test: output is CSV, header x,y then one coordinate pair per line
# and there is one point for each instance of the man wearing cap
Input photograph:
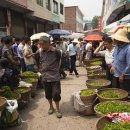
x,y
50,64
121,60
72,50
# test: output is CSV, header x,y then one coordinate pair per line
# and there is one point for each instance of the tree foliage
x,y
95,22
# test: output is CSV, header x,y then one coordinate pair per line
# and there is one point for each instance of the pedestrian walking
x,y
72,50
20,54
50,62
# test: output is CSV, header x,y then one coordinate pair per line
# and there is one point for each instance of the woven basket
x,y
88,99
100,114
13,122
123,93
88,62
106,83
101,123
25,96
3,103
89,110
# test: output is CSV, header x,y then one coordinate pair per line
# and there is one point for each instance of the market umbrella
x,y
93,37
58,32
38,35
95,32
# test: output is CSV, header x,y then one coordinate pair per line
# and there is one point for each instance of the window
x,y
55,7
48,4
40,2
61,8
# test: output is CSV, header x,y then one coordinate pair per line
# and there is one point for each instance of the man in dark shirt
x,y
50,64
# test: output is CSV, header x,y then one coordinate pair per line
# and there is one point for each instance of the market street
x,y
36,114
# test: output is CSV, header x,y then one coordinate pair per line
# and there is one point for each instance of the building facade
x,y
73,19
114,10
26,17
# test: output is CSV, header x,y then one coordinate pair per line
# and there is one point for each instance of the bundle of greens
x,y
29,73
10,95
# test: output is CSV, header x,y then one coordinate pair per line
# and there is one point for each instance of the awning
x,y
125,20
109,27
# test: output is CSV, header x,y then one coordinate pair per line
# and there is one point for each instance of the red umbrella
x,y
93,37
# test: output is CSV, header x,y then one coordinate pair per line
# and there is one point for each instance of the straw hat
x,y
121,35
75,41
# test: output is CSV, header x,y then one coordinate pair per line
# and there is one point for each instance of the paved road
x,y
36,117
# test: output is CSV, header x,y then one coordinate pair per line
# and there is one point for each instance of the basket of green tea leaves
x,y
88,96
109,107
105,124
97,83
28,74
10,95
3,103
108,94
34,82
25,93
97,75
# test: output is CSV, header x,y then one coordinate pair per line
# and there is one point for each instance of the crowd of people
x,y
52,58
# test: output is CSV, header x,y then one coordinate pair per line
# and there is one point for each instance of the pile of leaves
x,y
117,126
96,63
87,92
110,94
29,73
10,95
112,107
97,84
30,80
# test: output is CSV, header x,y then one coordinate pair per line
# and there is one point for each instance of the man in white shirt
x,y
20,54
108,54
72,50
88,50
28,55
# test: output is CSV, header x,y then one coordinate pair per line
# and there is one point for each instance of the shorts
x,y
53,90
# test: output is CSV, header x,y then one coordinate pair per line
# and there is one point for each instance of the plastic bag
x,y
24,84
12,105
